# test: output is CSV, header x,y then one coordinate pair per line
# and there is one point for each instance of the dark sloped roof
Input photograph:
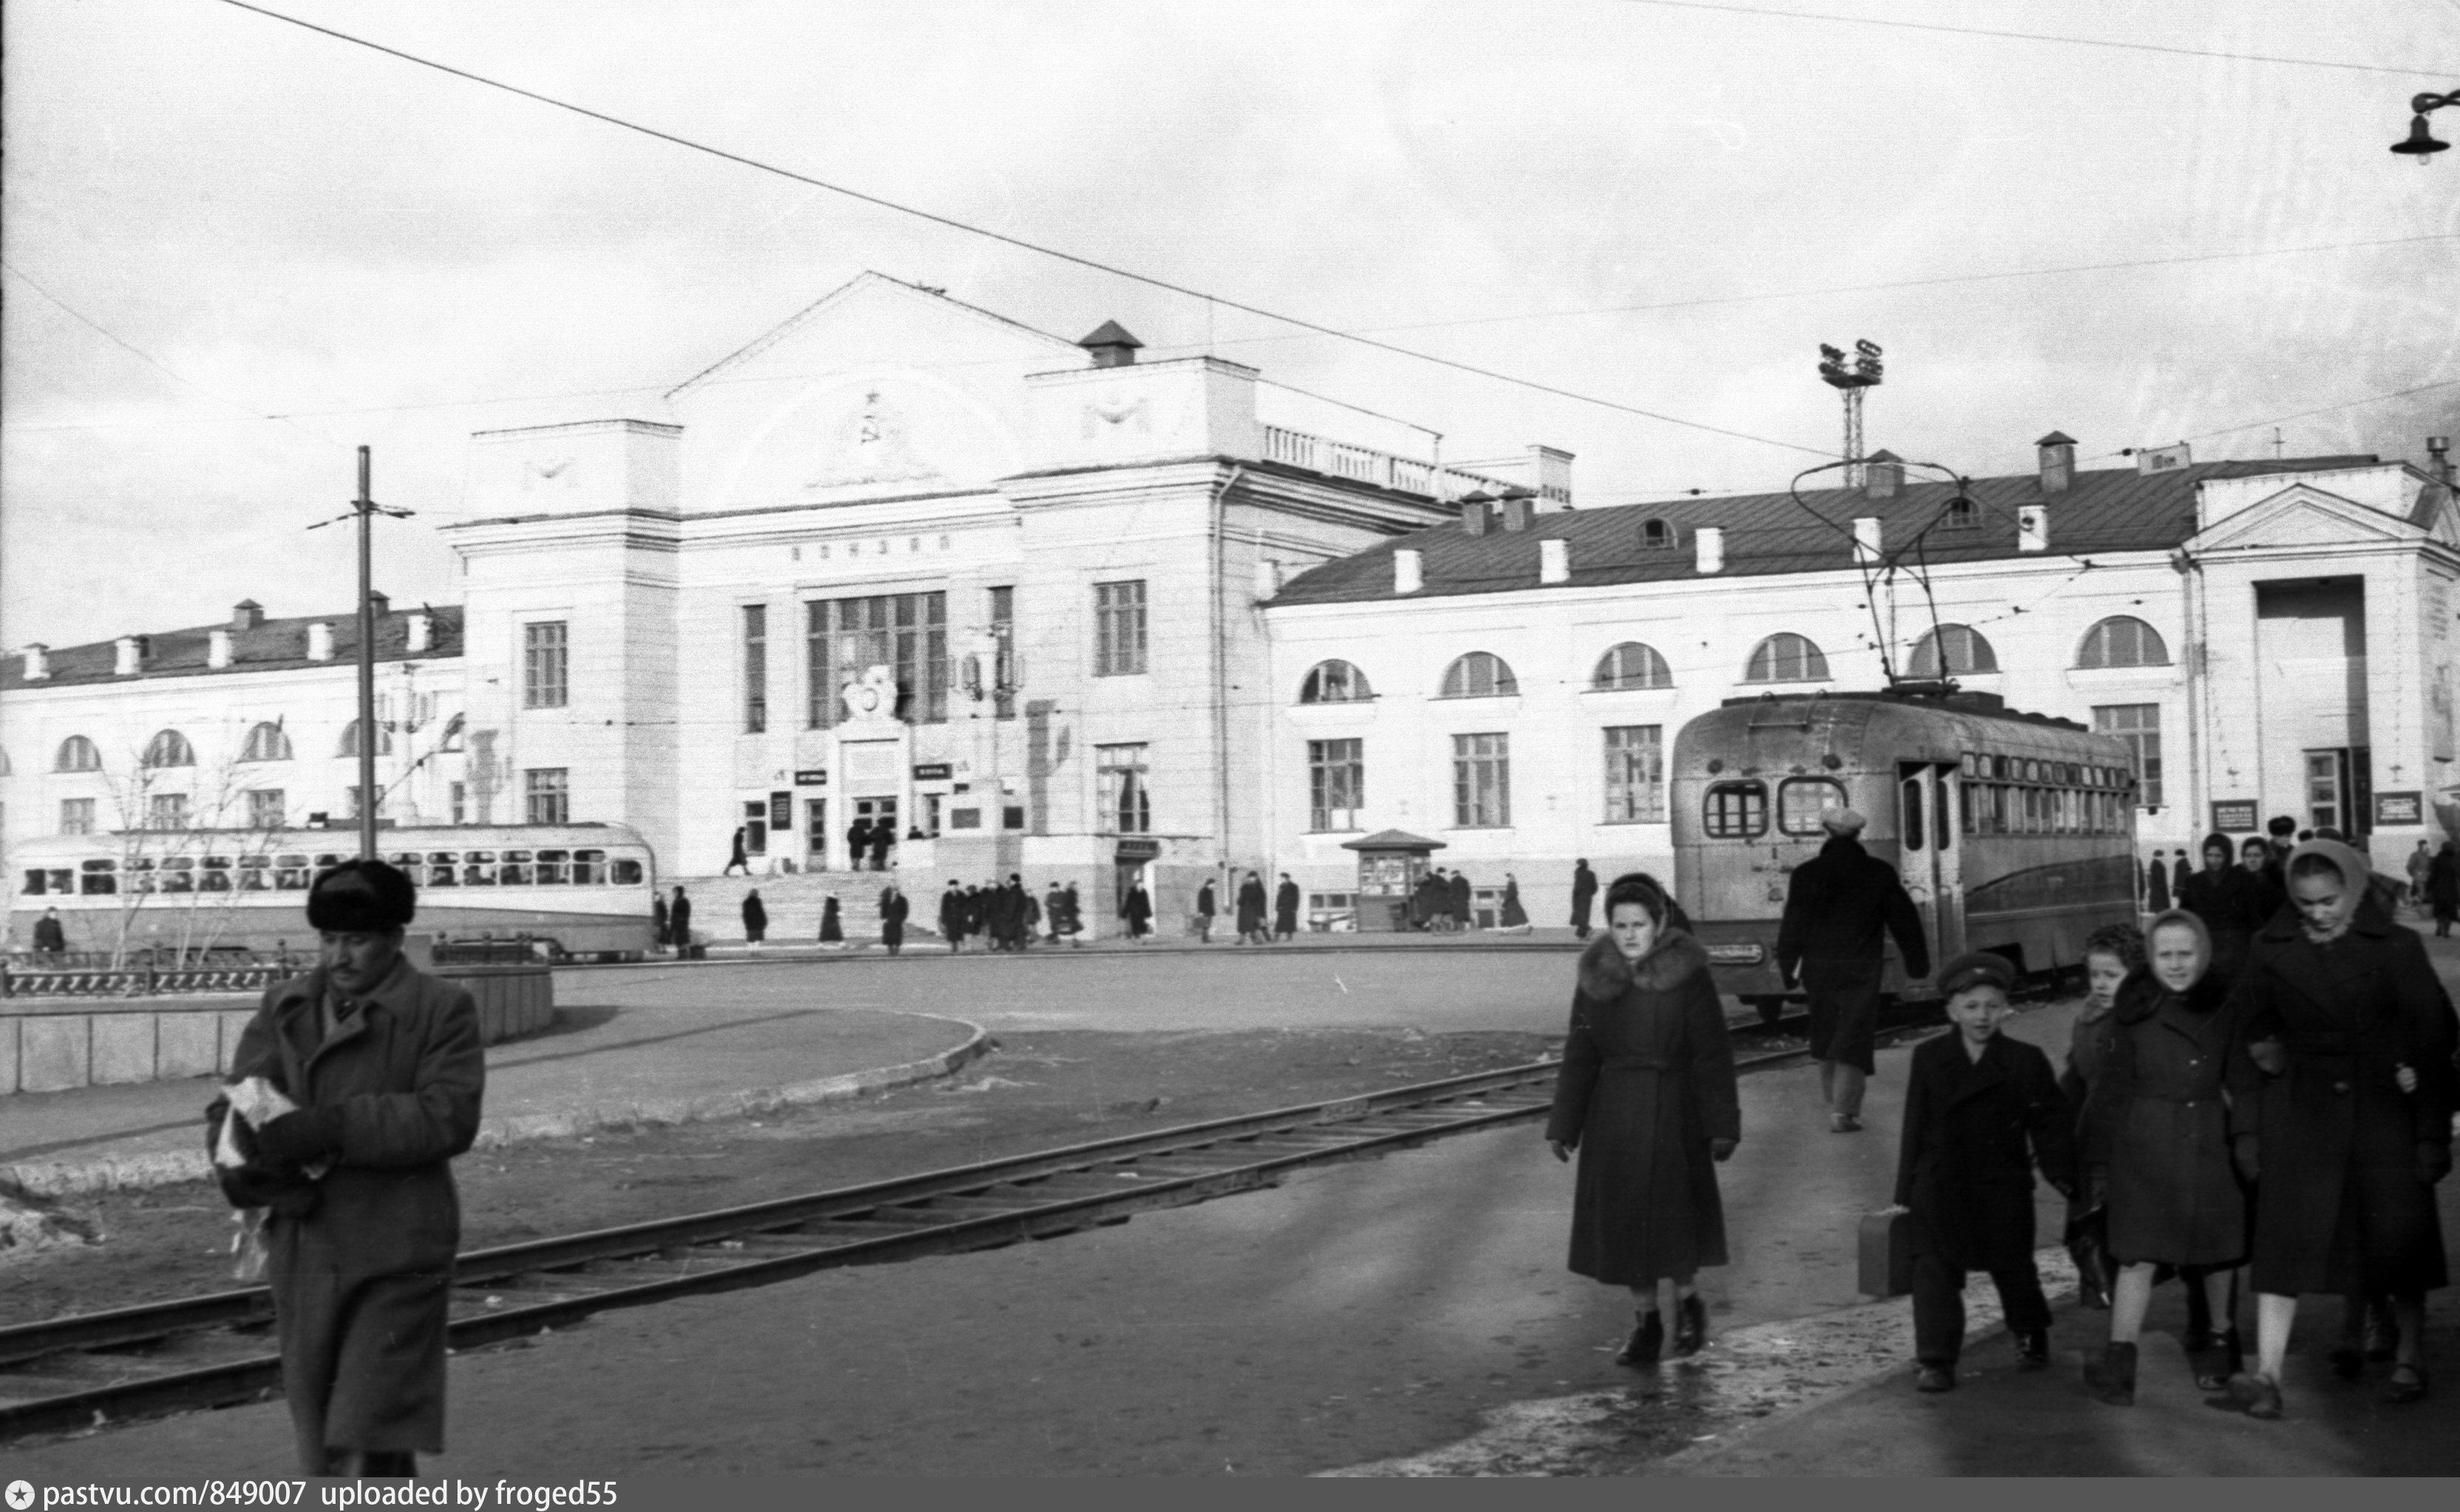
x,y
2116,510
275,645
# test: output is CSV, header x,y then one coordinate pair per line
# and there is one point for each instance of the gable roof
x,y
856,285
276,645
2114,510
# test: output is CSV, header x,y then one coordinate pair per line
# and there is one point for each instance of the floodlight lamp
x,y
2421,144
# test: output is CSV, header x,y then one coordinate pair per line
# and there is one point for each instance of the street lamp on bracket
x,y
2421,144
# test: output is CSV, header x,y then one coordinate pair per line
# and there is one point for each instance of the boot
x,y
2033,1350
1644,1342
2383,1330
1690,1325
2225,1358
2111,1377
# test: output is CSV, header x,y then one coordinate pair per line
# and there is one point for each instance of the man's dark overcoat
x,y
755,916
2442,883
2154,1116
362,1283
952,915
1839,904
679,918
1963,1168
893,910
1647,1080
2339,1205
1456,897
1584,891
1137,910
1251,907
1285,909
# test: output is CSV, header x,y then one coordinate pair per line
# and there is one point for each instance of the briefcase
x,y
1887,1253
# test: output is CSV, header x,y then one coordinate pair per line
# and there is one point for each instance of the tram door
x,y
1929,855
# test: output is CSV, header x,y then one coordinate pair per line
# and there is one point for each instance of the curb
x,y
1107,948
134,1172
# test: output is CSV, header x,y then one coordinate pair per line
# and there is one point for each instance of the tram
x,y
2013,832
582,888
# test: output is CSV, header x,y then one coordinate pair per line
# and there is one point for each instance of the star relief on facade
x,y
549,473
873,444
871,699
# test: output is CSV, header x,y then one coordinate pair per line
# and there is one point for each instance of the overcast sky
x,y
295,226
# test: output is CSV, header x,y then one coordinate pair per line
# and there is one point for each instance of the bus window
x,y
477,869
1801,800
628,871
514,870
443,868
99,880
1909,813
551,867
1735,811
588,868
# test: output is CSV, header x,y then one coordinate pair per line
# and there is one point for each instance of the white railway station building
x,y
1172,620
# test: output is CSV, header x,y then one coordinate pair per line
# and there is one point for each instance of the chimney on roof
x,y
2439,448
39,662
1409,571
218,647
320,642
1518,504
1111,345
1708,545
382,604
1866,539
422,629
2057,451
1475,515
248,616
128,656
1883,476
1554,561
2032,527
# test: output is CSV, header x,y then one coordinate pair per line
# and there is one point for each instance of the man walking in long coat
x,y
952,916
1458,896
1285,910
857,841
1251,911
384,1071
893,909
755,919
679,919
1584,891
1837,908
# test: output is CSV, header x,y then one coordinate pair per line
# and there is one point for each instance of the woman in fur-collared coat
x,y
1646,1097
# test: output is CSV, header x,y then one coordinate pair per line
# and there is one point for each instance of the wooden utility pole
x,y
364,507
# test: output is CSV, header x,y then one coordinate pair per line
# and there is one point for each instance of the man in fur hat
x,y
385,1068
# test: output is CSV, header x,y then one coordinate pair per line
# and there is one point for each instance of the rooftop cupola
x,y
1883,476
1111,347
2057,451
248,616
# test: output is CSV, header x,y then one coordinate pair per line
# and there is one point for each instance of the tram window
x,y
50,879
588,868
328,861
179,875
1967,795
628,871
1735,811
477,869
1944,821
255,874
38,880
1801,800
216,877
552,868
443,868
1909,813
514,870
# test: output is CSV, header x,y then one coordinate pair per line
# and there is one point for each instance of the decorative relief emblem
x,y
542,472
871,698
1116,414
873,445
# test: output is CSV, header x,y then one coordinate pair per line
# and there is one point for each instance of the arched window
x,y
1630,666
2122,640
1655,535
265,743
351,740
1335,682
1966,651
1786,658
1481,674
77,754
169,748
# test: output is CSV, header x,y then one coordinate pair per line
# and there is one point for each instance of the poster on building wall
x,y
2234,815
2395,809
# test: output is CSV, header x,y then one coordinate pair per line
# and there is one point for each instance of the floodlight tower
x,y
1865,372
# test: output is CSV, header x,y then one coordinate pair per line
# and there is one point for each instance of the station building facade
x,y
2269,638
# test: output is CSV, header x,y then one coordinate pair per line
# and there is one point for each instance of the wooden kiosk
x,y
1390,862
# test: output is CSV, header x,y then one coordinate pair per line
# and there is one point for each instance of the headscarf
x,y
2229,851
2203,945
2355,875
2143,992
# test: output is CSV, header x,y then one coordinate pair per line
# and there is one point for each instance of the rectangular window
x,y
1635,774
1481,781
544,652
1118,628
755,827
1004,672
265,810
1125,803
755,668
546,795
906,633
1801,801
2139,725
76,816
1735,811
461,798
1336,783
166,811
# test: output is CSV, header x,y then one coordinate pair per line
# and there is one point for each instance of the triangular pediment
x,y
2302,516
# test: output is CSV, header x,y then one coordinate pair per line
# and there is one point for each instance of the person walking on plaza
x,y
1251,911
2421,865
1071,917
953,917
2109,953
1137,910
1457,894
1974,1101
49,939
1205,909
1646,1097
883,834
832,926
1515,916
1028,917
1054,913
1584,891
2342,1106
858,843
736,860
657,920
2156,885
755,919
893,910
679,919
2443,888
2225,898
2155,1137
1838,907
2265,891
383,1075
1285,910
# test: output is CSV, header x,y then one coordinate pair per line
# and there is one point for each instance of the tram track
x,y
89,1370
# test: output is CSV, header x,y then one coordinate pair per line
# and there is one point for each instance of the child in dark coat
x,y
2109,955
1974,1099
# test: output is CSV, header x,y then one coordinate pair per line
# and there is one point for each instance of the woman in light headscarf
x,y
2341,1113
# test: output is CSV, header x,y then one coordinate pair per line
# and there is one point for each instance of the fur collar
x,y
1673,959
